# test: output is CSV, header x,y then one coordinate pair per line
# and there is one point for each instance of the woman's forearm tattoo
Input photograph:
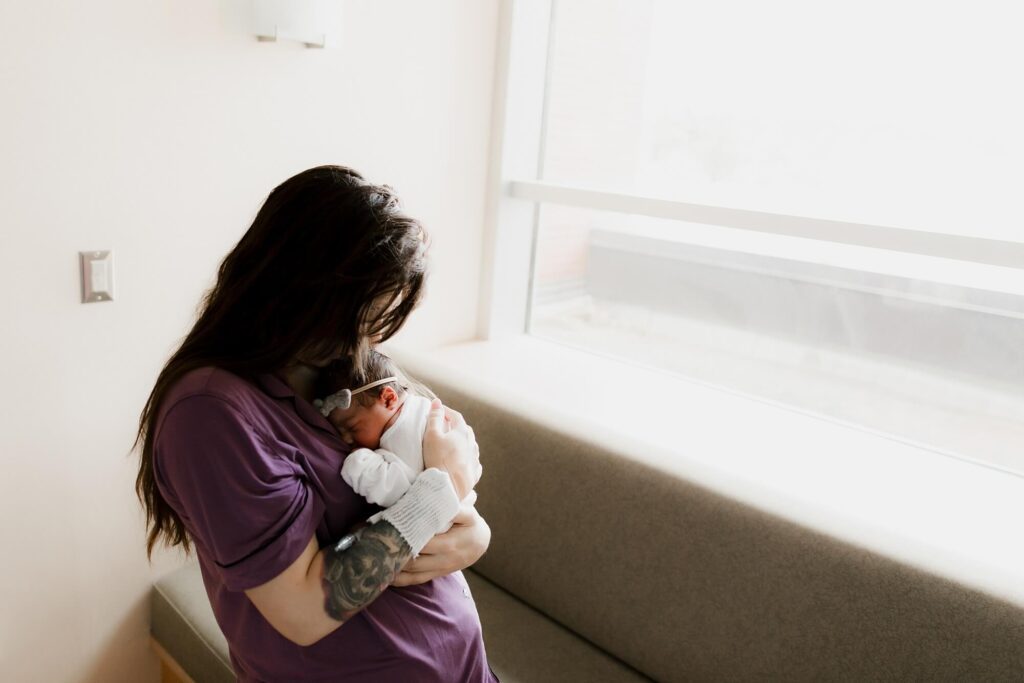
x,y
360,566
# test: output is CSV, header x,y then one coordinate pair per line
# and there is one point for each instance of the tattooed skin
x,y
360,566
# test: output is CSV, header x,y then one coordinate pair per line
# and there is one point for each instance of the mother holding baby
x,y
237,462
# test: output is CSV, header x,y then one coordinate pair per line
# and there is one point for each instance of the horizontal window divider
x,y
958,247
842,284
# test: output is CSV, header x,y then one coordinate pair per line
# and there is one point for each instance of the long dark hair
x,y
329,262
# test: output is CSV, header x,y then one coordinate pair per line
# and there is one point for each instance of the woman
x,y
237,461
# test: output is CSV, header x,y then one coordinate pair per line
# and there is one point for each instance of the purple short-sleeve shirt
x,y
254,471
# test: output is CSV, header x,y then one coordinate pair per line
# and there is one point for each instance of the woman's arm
x,y
456,549
321,589
324,588
467,540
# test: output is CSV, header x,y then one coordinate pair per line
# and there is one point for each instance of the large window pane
x,y
889,112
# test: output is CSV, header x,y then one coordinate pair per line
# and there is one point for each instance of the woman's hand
x,y
455,549
450,445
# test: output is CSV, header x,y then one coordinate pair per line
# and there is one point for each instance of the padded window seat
x,y
607,567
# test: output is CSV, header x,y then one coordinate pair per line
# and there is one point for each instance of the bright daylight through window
x,y
899,114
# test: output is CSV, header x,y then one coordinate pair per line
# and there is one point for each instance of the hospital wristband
x,y
427,508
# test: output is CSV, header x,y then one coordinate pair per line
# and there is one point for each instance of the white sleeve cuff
x,y
427,508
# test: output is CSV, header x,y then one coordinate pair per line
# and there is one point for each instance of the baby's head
x,y
371,409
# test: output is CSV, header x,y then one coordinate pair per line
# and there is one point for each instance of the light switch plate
x,y
97,276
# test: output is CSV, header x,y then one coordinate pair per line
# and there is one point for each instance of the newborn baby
x,y
381,416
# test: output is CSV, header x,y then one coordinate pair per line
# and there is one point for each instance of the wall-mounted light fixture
x,y
305,21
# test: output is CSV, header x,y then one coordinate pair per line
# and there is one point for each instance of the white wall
x,y
156,129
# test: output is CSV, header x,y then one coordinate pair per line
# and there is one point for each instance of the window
x,y
810,204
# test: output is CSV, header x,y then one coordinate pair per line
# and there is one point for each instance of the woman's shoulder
x,y
211,384
208,380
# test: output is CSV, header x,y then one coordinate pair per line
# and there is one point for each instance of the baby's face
x,y
362,425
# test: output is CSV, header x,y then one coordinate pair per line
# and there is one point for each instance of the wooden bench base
x,y
170,670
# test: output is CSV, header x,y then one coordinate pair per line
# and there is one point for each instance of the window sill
x,y
943,515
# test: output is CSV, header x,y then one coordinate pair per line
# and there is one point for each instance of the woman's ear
x,y
389,397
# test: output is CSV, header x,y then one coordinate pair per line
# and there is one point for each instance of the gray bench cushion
x,y
523,646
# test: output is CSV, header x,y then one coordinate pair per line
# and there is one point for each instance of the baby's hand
x,y
345,435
